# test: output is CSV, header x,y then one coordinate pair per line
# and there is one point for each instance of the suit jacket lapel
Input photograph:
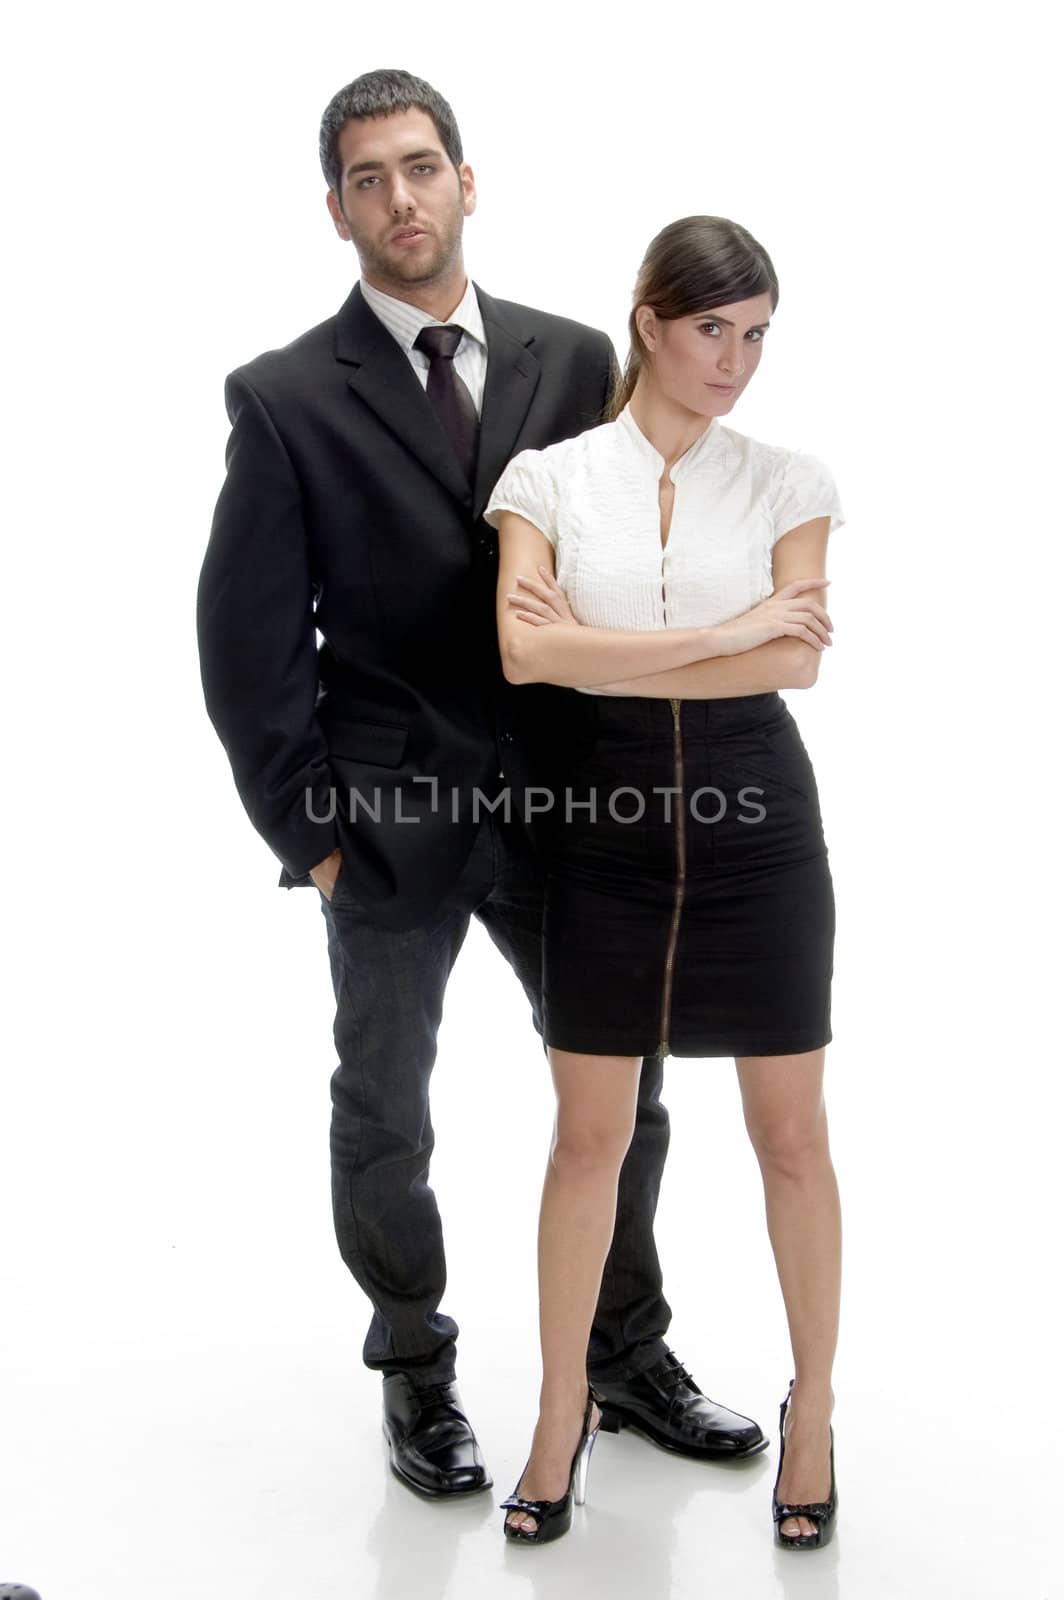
x,y
513,374
383,377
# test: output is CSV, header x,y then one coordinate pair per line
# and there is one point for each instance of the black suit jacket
x,y
345,514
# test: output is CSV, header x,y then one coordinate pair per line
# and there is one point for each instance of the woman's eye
x,y
705,326
756,335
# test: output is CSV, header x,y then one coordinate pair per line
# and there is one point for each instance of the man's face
x,y
402,202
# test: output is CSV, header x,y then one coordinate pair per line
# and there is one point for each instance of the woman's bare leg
x,y
786,1119
596,1117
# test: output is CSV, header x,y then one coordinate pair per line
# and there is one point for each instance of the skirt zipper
x,y
681,876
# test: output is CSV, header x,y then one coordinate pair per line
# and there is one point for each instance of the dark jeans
x,y
389,999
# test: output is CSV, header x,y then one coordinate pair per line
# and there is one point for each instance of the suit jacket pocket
x,y
380,744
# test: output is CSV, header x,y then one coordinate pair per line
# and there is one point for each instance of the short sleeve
x,y
803,488
527,487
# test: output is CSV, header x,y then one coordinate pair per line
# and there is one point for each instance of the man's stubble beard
x,y
376,264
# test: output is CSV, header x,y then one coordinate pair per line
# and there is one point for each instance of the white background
x,y
184,1411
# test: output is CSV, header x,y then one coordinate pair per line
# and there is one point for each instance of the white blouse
x,y
595,498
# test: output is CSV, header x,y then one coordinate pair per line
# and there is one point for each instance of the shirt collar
x,y
709,445
404,321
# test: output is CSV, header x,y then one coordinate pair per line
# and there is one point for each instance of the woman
x,y
689,905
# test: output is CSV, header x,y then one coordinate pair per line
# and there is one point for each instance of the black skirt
x,y
689,905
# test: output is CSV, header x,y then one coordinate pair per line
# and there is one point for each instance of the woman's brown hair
x,y
691,266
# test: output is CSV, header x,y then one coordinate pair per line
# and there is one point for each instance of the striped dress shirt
x,y
404,322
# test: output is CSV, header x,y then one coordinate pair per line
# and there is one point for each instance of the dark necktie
x,y
451,399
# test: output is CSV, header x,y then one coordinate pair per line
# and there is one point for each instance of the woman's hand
x,y
542,601
790,612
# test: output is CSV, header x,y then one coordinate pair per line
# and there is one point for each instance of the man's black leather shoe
x,y
431,1445
666,1404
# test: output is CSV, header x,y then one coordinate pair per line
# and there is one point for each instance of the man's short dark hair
x,y
379,94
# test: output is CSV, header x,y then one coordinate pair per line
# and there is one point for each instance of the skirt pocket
x,y
776,758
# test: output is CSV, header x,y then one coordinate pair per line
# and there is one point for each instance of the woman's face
x,y
705,362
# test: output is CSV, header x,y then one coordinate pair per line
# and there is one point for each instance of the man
x,y
361,458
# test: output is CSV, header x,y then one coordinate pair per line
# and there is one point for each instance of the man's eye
x,y
364,183
423,168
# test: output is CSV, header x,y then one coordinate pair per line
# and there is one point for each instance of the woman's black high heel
x,y
822,1512
555,1517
